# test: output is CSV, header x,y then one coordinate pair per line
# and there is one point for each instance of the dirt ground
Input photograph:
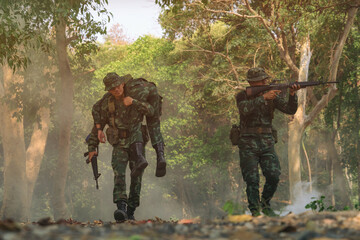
x,y
308,225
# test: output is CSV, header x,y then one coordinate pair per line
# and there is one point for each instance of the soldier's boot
x,y
267,210
130,213
255,212
160,160
141,163
120,213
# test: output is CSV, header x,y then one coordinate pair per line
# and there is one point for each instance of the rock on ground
x,y
309,225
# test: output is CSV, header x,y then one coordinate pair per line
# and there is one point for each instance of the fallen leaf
x,y
189,221
240,218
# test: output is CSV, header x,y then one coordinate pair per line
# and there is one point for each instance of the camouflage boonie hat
x,y
256,74
112,80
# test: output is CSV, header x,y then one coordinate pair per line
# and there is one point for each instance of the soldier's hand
x,y
128,101
271,94
294,88
91,154
101,136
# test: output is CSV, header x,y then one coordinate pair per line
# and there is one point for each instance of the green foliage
x,y
28,24
343,114
319,205
232,208
356,206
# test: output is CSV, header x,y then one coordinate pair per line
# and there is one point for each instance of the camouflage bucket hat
x,y
256,74
112,80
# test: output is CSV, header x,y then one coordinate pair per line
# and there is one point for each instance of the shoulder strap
x,y
272,108
111,105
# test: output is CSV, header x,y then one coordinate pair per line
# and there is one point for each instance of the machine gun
x,y
255,90
94,166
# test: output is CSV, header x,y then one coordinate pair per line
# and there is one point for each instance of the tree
x,y
74,30
116,35
25,102
14,200
288,25
342,116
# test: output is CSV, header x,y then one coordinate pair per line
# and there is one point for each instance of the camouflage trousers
x,y
252,154
155,132
120,159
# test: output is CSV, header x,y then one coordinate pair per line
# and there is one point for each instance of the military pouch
x,y
275,135
234,135
112,135
145,134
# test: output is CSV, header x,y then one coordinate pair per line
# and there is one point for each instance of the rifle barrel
x,y
255,90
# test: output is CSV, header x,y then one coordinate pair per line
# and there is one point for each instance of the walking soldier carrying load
x,y
123,115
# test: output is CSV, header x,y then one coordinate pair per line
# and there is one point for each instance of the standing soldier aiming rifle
x,y
123,115
256,140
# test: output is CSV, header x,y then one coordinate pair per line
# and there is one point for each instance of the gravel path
x,y
317,226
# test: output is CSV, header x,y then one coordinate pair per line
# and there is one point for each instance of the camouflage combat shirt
x,y
145,91
258,113
126,118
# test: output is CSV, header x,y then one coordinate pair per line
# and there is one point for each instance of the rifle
x,y
94,166
255,90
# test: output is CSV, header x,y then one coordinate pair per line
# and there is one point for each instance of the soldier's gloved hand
x,y
101,136
128,101
91,154
271,94
294,88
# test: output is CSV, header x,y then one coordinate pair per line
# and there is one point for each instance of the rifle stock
x,y
255,90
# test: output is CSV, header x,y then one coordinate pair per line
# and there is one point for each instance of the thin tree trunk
x,y
12,129
340,183
308,165
331,180
35,154
357,130
340,186
65,115
296,126
295,133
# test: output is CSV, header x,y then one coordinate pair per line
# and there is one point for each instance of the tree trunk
x,y
35,153
357,131
295,134
296,126
341,188
65,114
12,129
301,121
308,165
331,179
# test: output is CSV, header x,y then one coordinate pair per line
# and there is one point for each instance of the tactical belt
x,y
258,130
124,133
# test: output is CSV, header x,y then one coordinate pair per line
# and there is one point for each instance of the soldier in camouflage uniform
x,y
123,115
145,91
142,90
256,142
